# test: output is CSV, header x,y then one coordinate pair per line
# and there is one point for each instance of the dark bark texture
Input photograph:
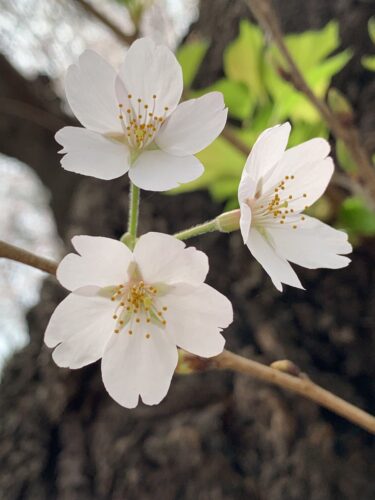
x,y
217,435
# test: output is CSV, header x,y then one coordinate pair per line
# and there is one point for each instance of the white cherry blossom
x,y
131,309
132,120
275,188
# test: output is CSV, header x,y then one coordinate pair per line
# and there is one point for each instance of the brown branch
x,y
303,386
230,361
12,252
265,15
123,37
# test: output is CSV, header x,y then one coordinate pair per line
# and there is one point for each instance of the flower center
x,y
277,203
139,121
137,304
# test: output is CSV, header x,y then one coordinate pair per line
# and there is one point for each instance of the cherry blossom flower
x,y
275,188
132,120
131,309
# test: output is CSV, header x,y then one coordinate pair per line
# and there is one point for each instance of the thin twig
x,y
265,15
123,37
303,386
230,361
12,252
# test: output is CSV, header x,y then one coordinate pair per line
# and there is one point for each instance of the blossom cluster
x,y
130,305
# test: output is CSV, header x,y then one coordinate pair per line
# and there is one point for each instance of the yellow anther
x,y
165,308
130,332
129,96
304,195
117,330
294,227
148,335
114,316
137,320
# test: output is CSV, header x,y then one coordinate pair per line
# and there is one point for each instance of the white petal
x,y
90,90
308,184
279,270
160,171
267,151
150,69
83,325
313,244
134,366
195,317
103,262
89,153
245,221
246,188
193,125
297,158
164,259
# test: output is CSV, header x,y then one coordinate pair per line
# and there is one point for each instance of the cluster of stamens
x,y
136,304
278,205
139,121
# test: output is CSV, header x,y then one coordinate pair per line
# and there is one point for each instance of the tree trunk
x,y
216,435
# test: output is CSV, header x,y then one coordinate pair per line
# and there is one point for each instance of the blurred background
x,y
216,435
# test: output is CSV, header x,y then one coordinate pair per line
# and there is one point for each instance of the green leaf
x,y
221,161
243,59
291,103
236,96
368,62
190,56
371,28
339,103
356,217
311,47
344,158
225,188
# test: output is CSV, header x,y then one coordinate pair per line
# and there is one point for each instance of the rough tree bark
x,y
216,436
31,114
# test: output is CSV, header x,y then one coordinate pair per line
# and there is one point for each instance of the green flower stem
x,y
225,223
134,195
206,227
